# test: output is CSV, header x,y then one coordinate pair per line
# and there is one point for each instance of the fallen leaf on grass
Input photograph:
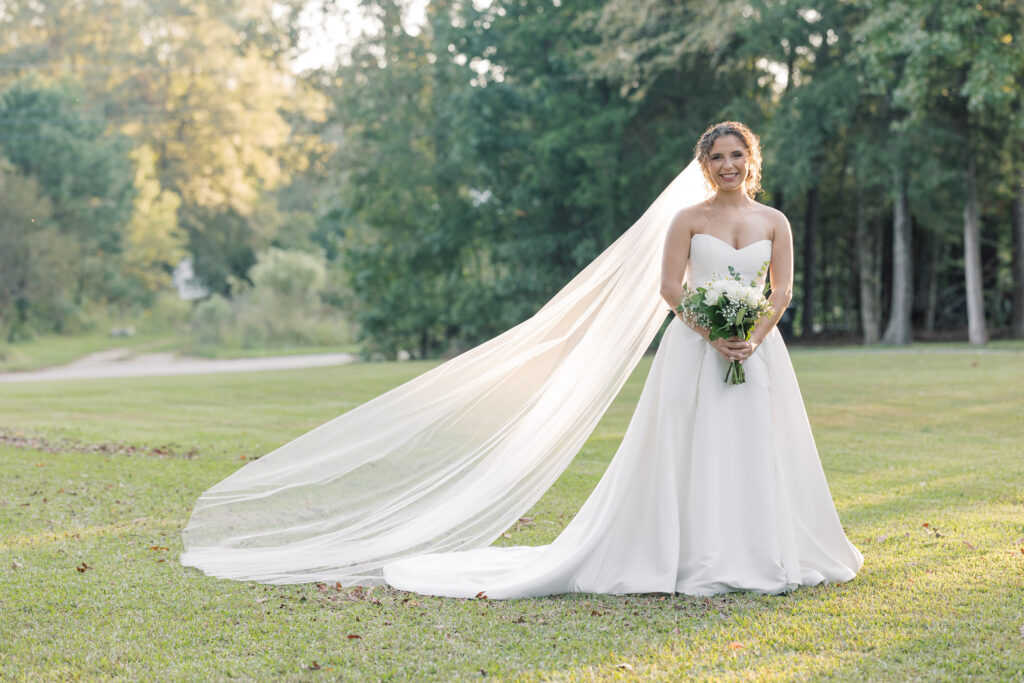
x,y
158,547
969,545
595,613
354,636
735,646
314,666
82,568
16,565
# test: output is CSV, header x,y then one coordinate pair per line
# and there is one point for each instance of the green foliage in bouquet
x,y
728,309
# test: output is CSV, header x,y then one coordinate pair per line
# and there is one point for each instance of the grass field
x,y
924,452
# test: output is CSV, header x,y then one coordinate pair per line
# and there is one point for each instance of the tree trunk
x,y
932,296
868,276
976,332
1017,324
898,331
829,271
810,262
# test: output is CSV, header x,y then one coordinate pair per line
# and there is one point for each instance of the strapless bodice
x,y
710,259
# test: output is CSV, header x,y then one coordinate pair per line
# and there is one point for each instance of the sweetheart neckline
x,y
718,239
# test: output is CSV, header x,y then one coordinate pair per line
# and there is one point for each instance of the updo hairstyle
x,y
753,145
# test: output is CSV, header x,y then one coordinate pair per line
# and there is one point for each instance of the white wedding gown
x,y
714,488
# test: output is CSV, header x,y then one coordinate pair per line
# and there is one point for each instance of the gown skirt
x,y
714,487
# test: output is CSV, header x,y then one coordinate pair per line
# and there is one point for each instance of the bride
x,y
714,488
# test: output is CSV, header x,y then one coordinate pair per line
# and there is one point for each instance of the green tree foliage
x,y
84,171
450,177
87,178
34,259
154,241
205,86
483,169
858,101
409,237
955,69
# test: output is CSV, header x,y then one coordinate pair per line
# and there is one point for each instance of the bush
x,y
211,320
294,277
282,307
168,313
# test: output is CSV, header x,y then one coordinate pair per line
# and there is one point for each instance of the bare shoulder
x,y
684,221
775,219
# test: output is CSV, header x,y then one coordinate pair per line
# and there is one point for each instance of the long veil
x,y
450,459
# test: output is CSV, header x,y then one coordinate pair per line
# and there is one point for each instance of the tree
x,y
898,329
37,266
154,241
85,173
954,65
205,85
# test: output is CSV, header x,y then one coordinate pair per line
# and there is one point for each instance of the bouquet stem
x,y
735,374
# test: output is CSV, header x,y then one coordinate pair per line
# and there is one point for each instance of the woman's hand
x,y
734,348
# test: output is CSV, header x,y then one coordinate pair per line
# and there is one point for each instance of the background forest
x,y
450,165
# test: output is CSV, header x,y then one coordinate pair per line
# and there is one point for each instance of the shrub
x,y
283,306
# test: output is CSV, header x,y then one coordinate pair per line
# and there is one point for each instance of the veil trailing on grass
x,y
450,459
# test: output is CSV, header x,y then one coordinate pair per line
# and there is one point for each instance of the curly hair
x,y
753,144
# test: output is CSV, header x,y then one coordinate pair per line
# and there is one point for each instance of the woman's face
x,y
727,163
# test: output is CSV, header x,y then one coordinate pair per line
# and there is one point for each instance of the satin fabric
x,y
714,488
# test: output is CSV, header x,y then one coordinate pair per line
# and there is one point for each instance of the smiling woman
x,y
730,156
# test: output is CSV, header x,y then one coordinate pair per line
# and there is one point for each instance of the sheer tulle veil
x,y
450,459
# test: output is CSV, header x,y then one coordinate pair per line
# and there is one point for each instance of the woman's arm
x,y
673,269
780,272
673,266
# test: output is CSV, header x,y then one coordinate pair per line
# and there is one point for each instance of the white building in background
x,y
186,283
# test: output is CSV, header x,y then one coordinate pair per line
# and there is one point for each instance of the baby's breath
x,y
726,307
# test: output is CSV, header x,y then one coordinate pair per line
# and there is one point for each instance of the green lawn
x,y
924,452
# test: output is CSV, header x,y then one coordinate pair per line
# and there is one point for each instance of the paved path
x,y
123,363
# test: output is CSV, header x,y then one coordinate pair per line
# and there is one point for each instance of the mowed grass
x,y
924,452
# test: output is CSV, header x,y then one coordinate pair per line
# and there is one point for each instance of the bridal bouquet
x,y
727,308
